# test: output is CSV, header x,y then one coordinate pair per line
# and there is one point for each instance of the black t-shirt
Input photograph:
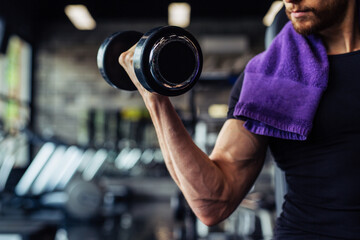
x,y
323,172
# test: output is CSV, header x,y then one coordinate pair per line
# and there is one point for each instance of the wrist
x,y
152,100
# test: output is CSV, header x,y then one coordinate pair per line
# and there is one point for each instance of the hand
x,y
126,61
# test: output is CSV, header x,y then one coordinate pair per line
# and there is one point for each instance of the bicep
x,y
240,155
235,143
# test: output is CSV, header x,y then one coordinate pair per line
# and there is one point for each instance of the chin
x,y
304,28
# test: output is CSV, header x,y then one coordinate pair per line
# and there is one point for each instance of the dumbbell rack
x,y
45,193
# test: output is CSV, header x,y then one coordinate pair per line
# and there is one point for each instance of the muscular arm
x,y
212,185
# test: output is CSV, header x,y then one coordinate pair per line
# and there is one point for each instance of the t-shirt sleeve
x,y
234,96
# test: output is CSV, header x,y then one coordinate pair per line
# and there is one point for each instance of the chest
x,y
336,127
339,108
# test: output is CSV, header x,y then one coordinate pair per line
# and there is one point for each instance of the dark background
x,y
39,13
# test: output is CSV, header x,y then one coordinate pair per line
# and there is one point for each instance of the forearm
x,y
162,142
206,183
185,161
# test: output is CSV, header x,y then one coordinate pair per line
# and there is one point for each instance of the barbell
x,y
167,60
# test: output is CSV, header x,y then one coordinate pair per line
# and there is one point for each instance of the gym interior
x,y
79,158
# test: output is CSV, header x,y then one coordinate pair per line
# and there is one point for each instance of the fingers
x,y
126,58
126,61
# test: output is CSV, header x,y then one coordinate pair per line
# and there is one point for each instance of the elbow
x,y
211,216
210,221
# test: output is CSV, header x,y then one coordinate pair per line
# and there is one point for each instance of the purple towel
x,y
282,86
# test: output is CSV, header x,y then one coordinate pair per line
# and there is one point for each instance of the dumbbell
x,y
167,60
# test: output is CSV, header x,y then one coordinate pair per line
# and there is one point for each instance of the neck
x,y
345,36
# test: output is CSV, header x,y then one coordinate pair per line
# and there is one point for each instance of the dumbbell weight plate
x,y
168,60
84,199
108,55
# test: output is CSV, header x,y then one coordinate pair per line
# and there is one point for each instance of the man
x,y
322,170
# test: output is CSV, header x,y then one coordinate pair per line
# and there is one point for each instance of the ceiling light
x,y
80,17
179,14
273,10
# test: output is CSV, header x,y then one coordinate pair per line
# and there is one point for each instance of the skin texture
x,y
309,17
333,20
215,185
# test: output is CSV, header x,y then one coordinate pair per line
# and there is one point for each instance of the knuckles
x,y
126,58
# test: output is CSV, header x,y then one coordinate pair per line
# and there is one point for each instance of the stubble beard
x,y
321,19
